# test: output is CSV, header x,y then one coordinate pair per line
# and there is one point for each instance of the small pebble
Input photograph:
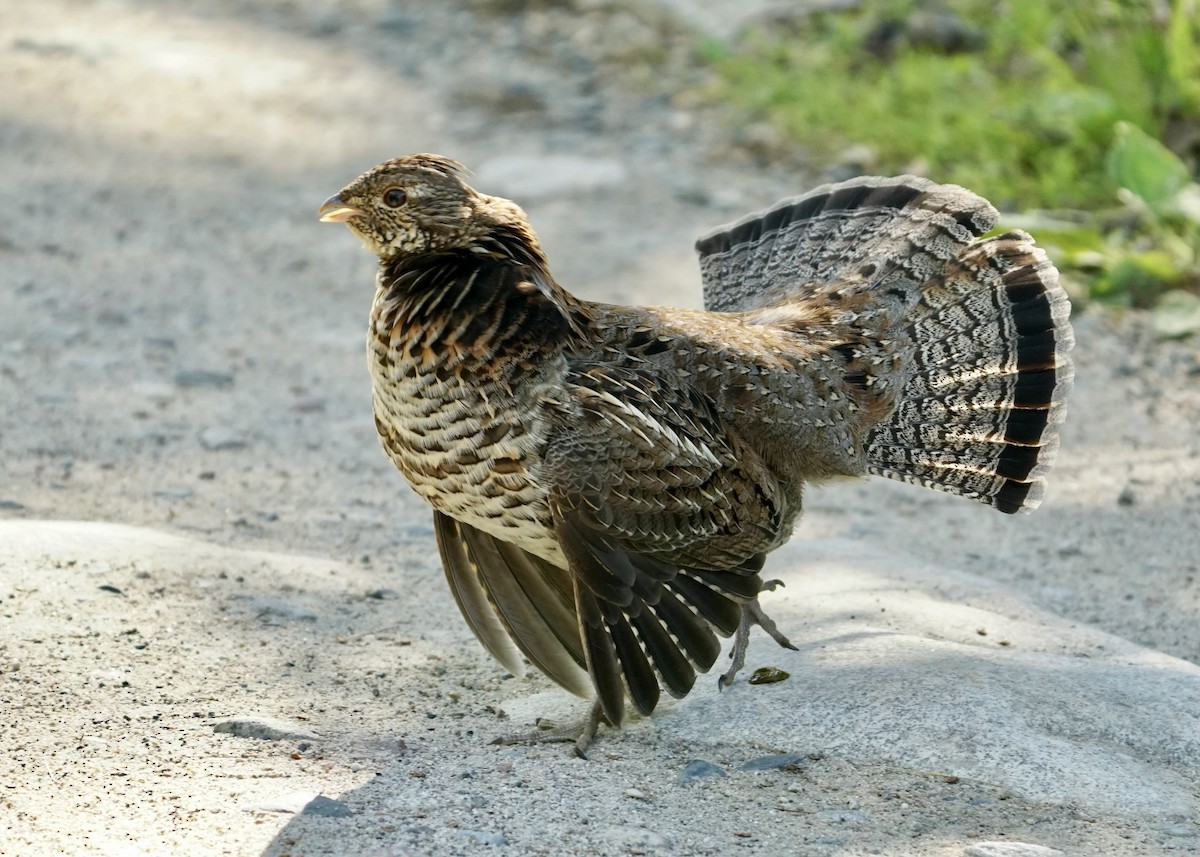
x,y
265,728
769,675
636,794
699,769
202,378
219,437
383,594
776,762
1127,497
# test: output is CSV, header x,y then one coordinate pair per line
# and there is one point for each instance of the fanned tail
x,y
960,345
979,412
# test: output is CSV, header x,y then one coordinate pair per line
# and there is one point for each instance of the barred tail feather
x,y
973,333
979,411
878,229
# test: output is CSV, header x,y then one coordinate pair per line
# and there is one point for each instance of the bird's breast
x,y
468,439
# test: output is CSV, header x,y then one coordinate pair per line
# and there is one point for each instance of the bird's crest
x,y
427,161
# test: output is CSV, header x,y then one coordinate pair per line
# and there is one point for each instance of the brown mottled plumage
x,y
607,480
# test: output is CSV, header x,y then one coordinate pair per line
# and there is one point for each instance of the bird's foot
x,y
581,733
752,614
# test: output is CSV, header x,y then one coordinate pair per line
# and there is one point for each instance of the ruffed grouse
x,y
607,480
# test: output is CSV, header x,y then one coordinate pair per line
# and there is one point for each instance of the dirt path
x,y
181,354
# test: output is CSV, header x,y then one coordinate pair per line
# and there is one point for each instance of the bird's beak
x,y
333,210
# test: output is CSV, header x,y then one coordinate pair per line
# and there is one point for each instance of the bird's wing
x,y
515,602
664,517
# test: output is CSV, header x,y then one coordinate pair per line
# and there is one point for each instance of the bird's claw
x,y
752,614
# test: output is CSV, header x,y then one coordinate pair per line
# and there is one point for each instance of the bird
x,y
607,481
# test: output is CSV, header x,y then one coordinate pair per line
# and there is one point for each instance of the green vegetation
x,y
1086,113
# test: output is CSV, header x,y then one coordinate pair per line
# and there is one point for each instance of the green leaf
x,y
1138,279
1177,315
1144,166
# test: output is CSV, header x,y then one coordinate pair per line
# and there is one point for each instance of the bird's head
x,y
420,204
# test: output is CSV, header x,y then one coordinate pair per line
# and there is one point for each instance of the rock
x,y
1010,849
219,437
698,769
202,378
776,762
535,178
1127,497
265,728
941,32
858,159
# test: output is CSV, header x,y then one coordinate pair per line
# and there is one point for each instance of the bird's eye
x,y
395,197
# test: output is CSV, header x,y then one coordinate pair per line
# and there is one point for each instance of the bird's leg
x,y
581,733
752,614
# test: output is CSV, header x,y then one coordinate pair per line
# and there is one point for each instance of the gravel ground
x,y
181,365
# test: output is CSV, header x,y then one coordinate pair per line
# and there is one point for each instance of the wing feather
x,y
514,603
473,602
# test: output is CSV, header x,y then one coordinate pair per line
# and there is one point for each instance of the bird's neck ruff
x,y
495,291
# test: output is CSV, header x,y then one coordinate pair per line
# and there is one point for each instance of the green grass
x,y
1024,103
1027,118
